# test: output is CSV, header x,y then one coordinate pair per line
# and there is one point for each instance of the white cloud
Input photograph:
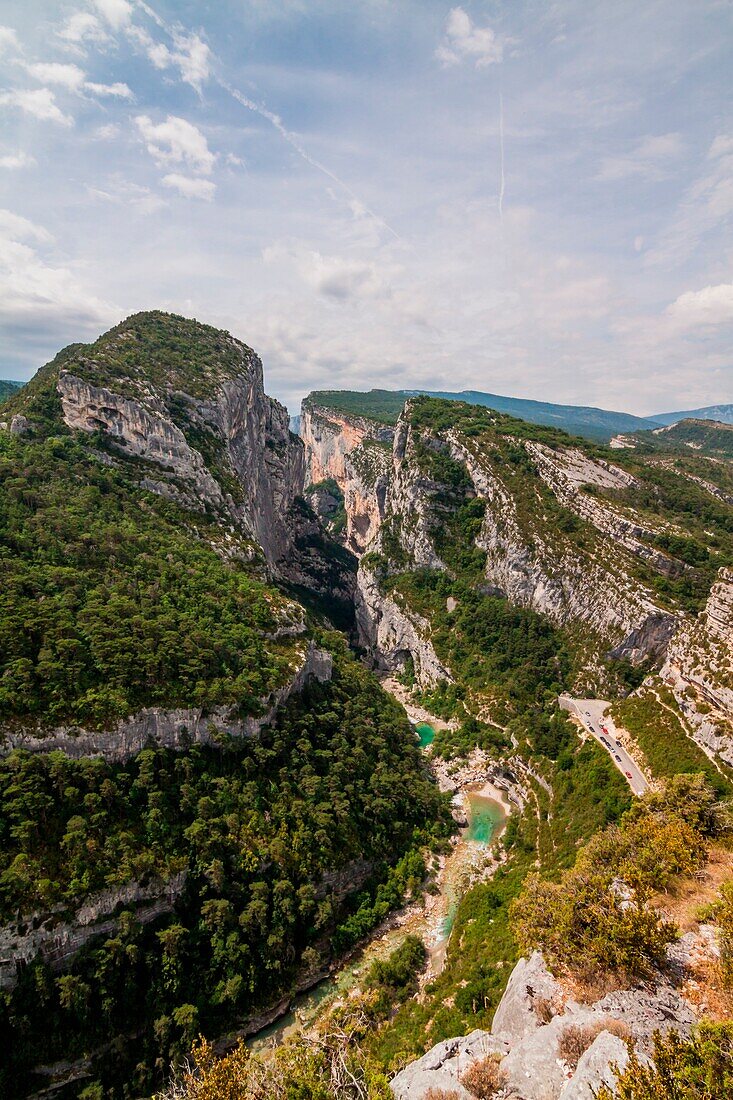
x,y
706,206
176,141
190,55
713,305
107,132
464,41
190,187
15,227
8,39
338,277
125,193
34,292
652,158
117,90
40,103
52,72
16,160
722,146
118,13
81,28
74,79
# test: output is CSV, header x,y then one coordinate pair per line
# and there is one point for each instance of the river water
x,y
433,922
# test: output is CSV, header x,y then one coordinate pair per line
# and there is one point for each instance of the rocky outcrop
x,y
354,452
699,670
390,633
57,937
175,729
230,451
527,1033
443,1066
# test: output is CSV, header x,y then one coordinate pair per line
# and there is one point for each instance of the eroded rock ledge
x,y
174,729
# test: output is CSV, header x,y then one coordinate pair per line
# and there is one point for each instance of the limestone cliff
x,y
174,729
699,669
537,564
217,443
355,453
392,634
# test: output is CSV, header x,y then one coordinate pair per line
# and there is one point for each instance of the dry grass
x,y
545,1008
577,1038
441,1094
688,894
484,1078
589,986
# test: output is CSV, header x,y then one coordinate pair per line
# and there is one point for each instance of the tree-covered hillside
x,y
7,389
256,859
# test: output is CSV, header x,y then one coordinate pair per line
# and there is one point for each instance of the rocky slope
x,y
699,669
566,531
534,1015
203,429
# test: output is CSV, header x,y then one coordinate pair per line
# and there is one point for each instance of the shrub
x,y
577,1038
696,1069
484,1078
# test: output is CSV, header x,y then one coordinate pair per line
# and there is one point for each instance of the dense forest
x,y
255,825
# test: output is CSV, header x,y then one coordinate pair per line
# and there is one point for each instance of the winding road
x,y
590,713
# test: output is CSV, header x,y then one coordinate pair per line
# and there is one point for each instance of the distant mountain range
x,y
722,413
582,420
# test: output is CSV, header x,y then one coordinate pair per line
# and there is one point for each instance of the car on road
x,y
617,757
628,775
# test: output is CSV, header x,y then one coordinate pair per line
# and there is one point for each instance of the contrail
x,y
292,140
278,124
501,145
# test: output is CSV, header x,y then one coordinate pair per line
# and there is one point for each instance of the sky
x,y
528,198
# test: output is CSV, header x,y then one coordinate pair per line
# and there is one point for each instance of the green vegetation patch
x,y
111,600
162,349
382,405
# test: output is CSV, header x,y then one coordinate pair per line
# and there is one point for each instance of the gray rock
x,y
442,1067
390,633
529,986
19,425
595,1068
350,450
655,1007
533,1068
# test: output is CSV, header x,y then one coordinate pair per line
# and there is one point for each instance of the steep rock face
x,y
390,633
536,567
699,669
527,1030
354,452
174,729
410,499
258,466
57,937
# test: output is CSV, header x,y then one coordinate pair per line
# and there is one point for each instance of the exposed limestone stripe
x,y
174,729
58,940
